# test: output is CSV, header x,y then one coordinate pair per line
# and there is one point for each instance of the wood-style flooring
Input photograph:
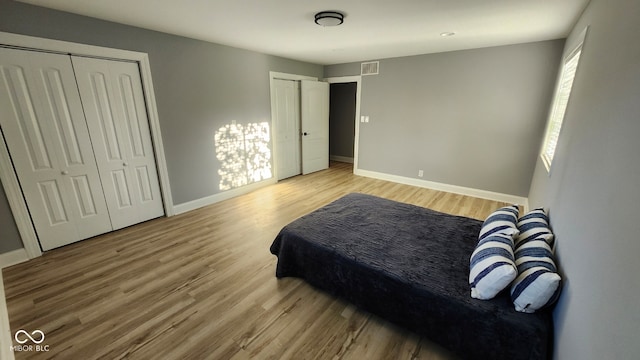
x,y
202,285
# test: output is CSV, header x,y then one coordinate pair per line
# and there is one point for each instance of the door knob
x,y
65,172
305,134
125,164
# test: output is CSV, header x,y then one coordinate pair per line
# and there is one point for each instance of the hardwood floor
x,y
202,285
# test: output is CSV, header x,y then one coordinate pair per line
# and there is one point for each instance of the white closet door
x,y
114,106
287,127
315,125
44,127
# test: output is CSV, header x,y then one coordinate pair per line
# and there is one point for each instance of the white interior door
x,y
113,101
315,125
287,127
44,127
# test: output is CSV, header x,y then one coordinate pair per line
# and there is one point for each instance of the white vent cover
x,y
369,68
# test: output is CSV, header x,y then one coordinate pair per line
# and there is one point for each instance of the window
x,y
559,106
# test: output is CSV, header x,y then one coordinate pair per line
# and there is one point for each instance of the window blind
x,y
559,107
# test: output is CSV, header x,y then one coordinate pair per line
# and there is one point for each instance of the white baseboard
x,y
196,204
483,194
13,257
343,159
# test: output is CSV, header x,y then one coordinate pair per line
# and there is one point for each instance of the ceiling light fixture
x,y
329,18
447,33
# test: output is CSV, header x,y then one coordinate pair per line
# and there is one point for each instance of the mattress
x,y
409,265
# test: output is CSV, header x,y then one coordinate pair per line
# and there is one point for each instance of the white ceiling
x,y
373,29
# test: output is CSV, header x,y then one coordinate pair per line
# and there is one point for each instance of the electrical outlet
x,y
420,173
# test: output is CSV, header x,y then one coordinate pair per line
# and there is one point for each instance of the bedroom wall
x,y
341,119
592,191
469,118
199,86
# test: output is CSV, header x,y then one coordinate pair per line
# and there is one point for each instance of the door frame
x,y
8,176
356,138
273,75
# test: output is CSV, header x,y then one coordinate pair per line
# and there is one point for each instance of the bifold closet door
x,y
111,93
44,127
287,126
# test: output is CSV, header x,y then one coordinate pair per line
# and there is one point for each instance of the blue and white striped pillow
x,y
534,224
492,266
538,284
502,220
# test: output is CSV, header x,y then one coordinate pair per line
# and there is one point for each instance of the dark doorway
x,y
342,112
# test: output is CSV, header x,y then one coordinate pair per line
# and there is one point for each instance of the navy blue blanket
x,y
409,265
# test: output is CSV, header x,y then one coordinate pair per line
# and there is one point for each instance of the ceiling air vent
x,y
369,68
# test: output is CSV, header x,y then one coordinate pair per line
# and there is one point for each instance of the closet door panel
x,y
83,195
65,128
121,189
19,105
116,114
135,126
105,122
144,177
145,184
103,126
45,129
52,199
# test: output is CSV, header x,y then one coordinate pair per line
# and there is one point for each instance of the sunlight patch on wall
x,y
244,154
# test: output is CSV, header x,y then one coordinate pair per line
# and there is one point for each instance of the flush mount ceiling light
x,y
329,18
447,33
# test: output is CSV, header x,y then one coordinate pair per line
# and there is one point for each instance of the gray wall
x,y
593,192
342,119
470,118
199,86
9,236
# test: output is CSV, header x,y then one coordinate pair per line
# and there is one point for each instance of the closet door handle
x,y
65,172
125,164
